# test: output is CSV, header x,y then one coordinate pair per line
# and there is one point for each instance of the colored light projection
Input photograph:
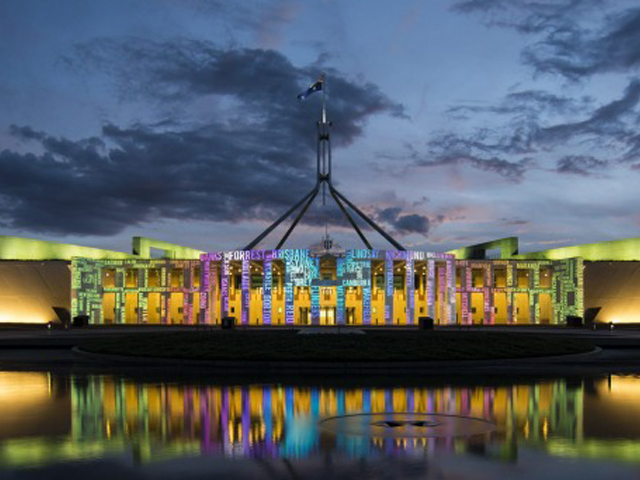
x,y
272,421
388,288
340,266
267,284
511,292
154,291
161,291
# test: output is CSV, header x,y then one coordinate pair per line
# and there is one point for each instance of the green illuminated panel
x,y
16,248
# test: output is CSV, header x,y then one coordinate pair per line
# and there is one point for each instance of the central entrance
x,y
327,315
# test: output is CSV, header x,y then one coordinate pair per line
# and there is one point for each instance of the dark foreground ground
x,y
540,350
374,346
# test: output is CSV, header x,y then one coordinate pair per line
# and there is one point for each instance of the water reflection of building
x,y
281,420
32,404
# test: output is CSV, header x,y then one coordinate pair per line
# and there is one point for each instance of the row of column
x,y
445,292
510,289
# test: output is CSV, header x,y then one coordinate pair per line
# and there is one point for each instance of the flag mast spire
x,y
323,180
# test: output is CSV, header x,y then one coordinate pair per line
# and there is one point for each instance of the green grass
x,y
374,346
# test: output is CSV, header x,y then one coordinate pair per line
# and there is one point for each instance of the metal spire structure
x,y
323,181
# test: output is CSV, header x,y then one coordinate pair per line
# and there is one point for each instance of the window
x,y
108,278
177,277
477,277
500,277
131,278
153,277
523,278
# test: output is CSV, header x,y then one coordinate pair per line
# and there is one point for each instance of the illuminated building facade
x,y
300,287
483,284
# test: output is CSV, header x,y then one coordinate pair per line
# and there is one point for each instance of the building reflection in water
x,y
272,421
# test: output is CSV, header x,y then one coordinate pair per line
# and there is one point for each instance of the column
x,y
267,285
315,295
489,311
165,296
246,286
442,295
187,295
205,285
451,290
366,301
388,290
143,307
288,293
120,311
509,292
469,286
215,294
143,296
224,284
340,291
410,288
578,264
465,297
534,297
187,308
431,288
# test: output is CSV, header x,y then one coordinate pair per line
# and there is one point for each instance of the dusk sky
x,y
454,122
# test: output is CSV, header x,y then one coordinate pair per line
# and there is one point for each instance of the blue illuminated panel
x,y
388,288
409,288
267,283
366,305
340,290
246,294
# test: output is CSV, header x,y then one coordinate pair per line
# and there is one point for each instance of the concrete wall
x,y
29,290
17,248
615,287
627,249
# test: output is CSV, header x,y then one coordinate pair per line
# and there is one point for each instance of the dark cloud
x,y
260,81
606,123
250,166
528,103
510,170
530,132
404,223
580,165
578,52
530,16
477,151
516,222
573,38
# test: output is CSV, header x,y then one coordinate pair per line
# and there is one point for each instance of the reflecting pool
x,y
97,425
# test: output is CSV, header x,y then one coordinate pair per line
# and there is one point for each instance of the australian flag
x,y
316,87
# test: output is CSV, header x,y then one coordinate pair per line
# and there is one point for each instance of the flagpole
x,y
324,98
324,131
